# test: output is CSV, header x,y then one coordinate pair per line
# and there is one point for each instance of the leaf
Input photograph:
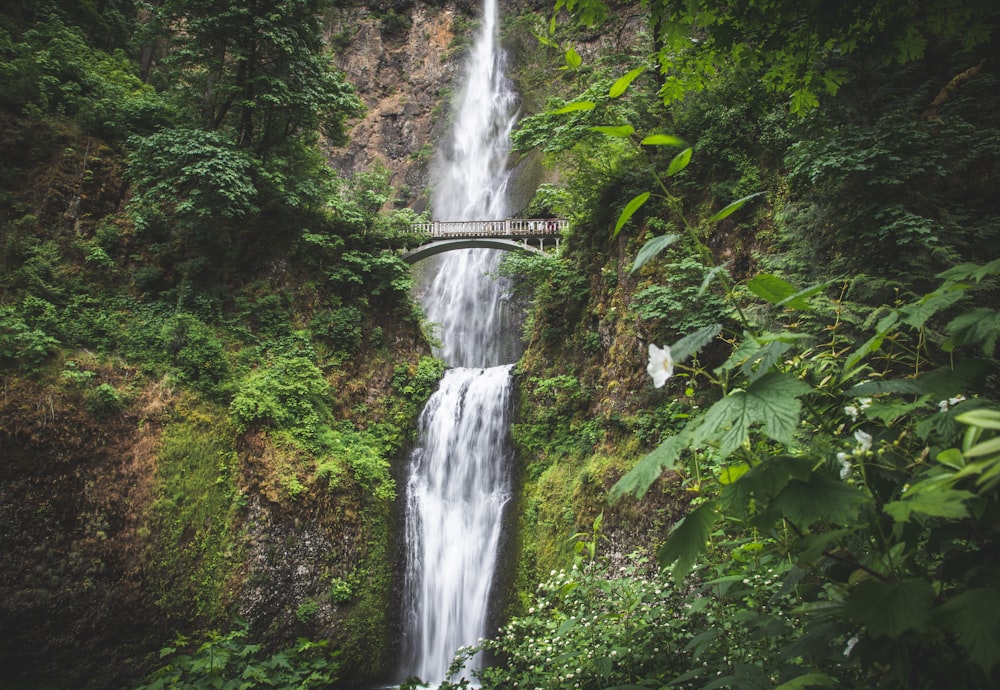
x,y
819,499
917,313
692,343
944,503
952,457
679,162
630,208
777,291
688,540
803,100
710,276
986,448
573,59
982,418
573,107
872,388
889,609
799,297
623,82
662,140
733,207
810,680
975,271
614,130
871,345
771,401
638,480
730,474
974,617
652,248
977,327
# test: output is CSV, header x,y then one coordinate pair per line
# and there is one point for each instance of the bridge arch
x,y
439,246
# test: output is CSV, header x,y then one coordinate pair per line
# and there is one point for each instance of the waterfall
x,y
459,476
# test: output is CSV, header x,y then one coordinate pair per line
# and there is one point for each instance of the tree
x,y
800,47
255,69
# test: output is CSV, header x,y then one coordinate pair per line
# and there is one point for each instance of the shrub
x,y
229,660
287,392
195,351
20,343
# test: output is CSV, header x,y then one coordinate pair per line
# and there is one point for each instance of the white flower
x,y
845,465
850,645
661,364
864,441
865,403
852,412
944,405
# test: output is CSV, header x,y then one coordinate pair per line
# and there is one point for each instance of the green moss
x,y
195,549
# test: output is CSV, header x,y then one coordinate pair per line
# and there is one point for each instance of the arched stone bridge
x,y
510,234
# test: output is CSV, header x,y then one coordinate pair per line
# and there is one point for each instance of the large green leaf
x,y
732,208
975,271
662,140
573,59
574,107
977,327
693,342
941,502
688,540
810,680
818,499
776,291
623,82
652,248
638,480
983,418
614,130
974,617
679,162
916,313
630,208
891,608
771,401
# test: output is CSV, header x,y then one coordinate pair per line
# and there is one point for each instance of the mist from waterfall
x,y
459,479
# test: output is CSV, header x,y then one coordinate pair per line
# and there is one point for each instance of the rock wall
x,y
403,64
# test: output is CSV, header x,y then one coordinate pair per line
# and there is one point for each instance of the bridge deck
x,y
510,227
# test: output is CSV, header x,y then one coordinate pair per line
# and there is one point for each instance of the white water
x,y
459,474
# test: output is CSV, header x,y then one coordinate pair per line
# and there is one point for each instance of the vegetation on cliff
x,y
827,404
209,361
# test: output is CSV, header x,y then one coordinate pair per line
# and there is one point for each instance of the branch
x,y
946,94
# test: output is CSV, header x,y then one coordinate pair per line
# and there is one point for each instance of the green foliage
x,y
341,591
877,196
50,69
254,69
190,176
801,51
195,351
20,343
306,611
229,660
628,629
679,304
340,327
286,392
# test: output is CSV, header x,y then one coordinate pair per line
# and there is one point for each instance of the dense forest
x,y
757,426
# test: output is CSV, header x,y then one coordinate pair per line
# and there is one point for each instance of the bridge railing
x,y
509,227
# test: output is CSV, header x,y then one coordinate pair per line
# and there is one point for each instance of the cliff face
x,y
403,65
